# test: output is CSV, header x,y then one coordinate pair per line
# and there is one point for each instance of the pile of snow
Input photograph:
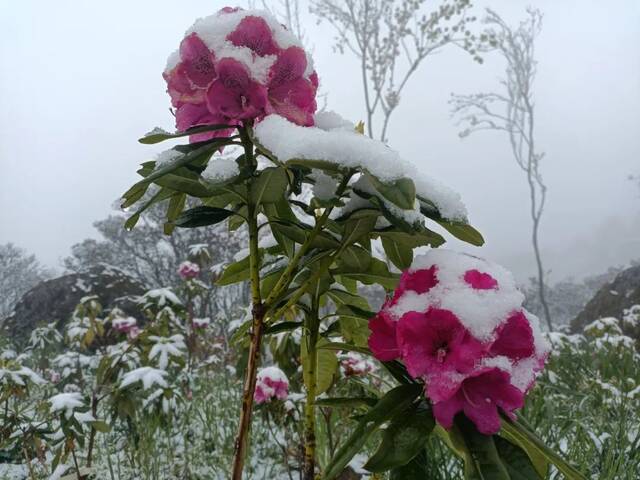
x,y
337,144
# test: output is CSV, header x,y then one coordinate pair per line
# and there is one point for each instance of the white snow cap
x,y
214,29
344,146
273,373
147,375
66,402
479,310
220,169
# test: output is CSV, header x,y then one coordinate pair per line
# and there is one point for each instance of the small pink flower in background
x,y
133,333
457,323
245,75
271,382
354,364
188,270
54,377
124,325
201,323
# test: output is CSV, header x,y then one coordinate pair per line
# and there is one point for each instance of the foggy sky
x,y
81,81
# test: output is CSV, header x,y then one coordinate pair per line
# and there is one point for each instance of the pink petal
x,y
197,60
382,340
289,66
295,101
480,281
228,10
434,342
445,411
180,88
514,338
234,94
254,32
419,281
189,115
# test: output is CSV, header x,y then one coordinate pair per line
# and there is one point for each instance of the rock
x,y
612,299
56,299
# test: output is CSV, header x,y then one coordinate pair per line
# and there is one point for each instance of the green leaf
x,y
202,216
281,210
357,227
355,259
235,272
323,165
393,403
377,273
282,327
326,366
518,464
401,192
354,327
100,426
534,447
416,469
346,347
175,208
342,297
464,232
158,135
346,402
270,186
483,461
400,254
160,196
403,439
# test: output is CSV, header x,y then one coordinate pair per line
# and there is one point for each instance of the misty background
x,y
81,81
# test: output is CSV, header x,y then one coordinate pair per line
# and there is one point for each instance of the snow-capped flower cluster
x,y
238,65
271,382
124,324
201,323
457,322
354,364
188,270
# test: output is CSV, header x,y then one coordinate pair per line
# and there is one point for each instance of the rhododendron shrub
x,y
457,323
313,195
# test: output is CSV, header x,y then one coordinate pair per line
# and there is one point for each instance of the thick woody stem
x,y
257,327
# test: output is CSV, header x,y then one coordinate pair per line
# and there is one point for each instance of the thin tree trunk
x,y
311,341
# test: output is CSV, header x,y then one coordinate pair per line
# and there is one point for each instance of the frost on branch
x,y
457,322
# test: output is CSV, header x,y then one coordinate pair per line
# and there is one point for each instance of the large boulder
x,y
612,299
56,299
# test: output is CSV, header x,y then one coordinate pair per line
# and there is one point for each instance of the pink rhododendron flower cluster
x,y
239,65
271,382
188,270
124,325
457,322
354,364
201,323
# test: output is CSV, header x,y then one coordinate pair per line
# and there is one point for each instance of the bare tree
x,y
391,38
19,272
512,110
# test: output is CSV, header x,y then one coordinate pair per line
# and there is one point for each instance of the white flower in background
x,y
66,403
166,347
147,375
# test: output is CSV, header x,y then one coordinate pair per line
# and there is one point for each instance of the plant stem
x,y
257,327
92,435
310,339
285,279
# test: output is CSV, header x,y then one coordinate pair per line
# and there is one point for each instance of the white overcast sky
x,y
80,81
